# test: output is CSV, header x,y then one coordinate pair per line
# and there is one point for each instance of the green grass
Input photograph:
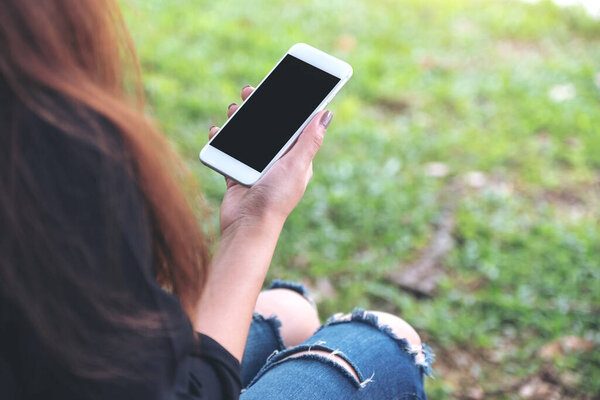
x,y
462,82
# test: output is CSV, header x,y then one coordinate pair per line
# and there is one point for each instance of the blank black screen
x,y
274,113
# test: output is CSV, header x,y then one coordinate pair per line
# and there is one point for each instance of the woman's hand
x,y
277,193
251,221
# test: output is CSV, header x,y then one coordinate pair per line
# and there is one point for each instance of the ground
x,y
464,153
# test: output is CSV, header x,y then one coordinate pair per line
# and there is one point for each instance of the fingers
x,y
246,90
229,182
231,109
310,140
212,131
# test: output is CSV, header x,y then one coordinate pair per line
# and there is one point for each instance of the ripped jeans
x,y
387,366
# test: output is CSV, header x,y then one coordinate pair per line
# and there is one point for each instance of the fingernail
x,y
211,128
326,119
229,106
245,87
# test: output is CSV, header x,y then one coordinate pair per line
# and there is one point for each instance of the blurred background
x,y
458,185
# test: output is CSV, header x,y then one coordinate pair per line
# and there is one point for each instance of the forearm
x,y
238,270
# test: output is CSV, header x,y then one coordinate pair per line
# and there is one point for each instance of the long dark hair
x,y
78,53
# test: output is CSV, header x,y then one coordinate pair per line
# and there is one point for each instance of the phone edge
x,y
293,138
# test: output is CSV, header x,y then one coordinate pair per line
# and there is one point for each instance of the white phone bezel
x,y
242,173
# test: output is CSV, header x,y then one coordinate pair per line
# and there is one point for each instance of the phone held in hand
x,y
262,129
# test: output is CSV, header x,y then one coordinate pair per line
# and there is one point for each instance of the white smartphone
x,y
261,130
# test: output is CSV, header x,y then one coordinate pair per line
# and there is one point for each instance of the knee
x,y
399,327
299,319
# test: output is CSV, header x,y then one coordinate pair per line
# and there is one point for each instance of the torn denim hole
x,y
294,286
288,355
370,379
273,354
423,356
317,343
342,356
275,325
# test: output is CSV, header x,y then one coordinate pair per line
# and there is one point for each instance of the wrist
x,y
264,224
247,245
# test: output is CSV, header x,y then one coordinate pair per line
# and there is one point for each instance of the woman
x,y
106,287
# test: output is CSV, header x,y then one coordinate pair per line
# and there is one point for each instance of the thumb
x,y
311,138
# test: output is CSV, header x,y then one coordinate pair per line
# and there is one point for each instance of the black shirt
x,y
67,170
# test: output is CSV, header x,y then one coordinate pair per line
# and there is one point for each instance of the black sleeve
x,y
214,373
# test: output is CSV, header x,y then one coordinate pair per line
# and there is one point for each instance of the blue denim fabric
x,y
387,366
263,340
264,337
